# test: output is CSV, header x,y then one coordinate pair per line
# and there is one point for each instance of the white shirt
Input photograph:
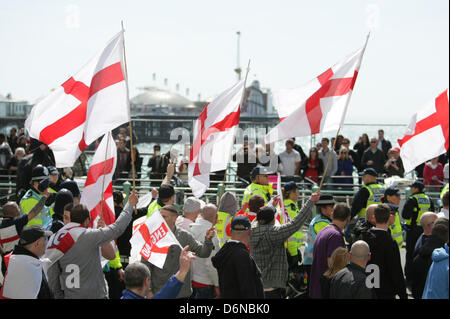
x,y
288,162
183,223
443,213
203,270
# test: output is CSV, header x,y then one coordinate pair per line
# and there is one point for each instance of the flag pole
x,y
104,174
130,127
242,100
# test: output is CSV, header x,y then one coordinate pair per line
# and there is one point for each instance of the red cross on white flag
x,y
152,239
427,134
85,107
214,133
318,106
98,192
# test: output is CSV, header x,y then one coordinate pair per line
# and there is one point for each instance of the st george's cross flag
x,y
318,106
427,134
98,192
85,107
152,239
214,133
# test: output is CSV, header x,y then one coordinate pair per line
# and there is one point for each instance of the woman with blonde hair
x,y
338,261
345,168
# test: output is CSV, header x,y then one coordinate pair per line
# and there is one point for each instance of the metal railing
x,y
236,186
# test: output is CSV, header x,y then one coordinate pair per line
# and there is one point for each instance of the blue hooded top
x,y
436,286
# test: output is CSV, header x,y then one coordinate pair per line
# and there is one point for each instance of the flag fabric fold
x,y
152,239
427,135
214,133
85,107
99,180
318,106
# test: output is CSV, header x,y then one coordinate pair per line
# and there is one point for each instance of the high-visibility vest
x,y
28,201
444,190
318,223
294,242
9,237
424,204
376,191
153,207
265,191
397,230
223,220
115,263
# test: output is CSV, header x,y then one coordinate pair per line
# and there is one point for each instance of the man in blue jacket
x,y
137,279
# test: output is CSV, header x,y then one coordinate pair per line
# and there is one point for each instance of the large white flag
x,y
318,106
152,239
85,107
97,192
427,134
214,133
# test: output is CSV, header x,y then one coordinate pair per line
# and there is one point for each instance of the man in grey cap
x,y
25,277
191,208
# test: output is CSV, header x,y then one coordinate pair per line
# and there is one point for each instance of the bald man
x,y
427,222
205,280
350,282
364,224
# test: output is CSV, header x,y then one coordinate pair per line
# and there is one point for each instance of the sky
x,y
194,43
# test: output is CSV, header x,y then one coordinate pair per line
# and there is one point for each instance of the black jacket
x,y
239,276
385,253
350,283
422,263
362,225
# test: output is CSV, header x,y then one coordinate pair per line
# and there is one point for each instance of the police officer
x,y
39,185
392,198
413,209
325,207
370,193
259,186
294,243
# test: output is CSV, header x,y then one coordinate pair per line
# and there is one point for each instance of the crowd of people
x,y
249,248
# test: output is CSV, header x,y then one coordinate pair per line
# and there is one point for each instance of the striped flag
x,y
85,107
99,180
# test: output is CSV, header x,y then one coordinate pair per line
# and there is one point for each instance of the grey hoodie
x,y
79,274
228,204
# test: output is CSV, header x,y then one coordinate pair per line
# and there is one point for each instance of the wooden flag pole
x,y
242,100
130,127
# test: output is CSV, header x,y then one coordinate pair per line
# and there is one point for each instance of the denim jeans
x,y
203,292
